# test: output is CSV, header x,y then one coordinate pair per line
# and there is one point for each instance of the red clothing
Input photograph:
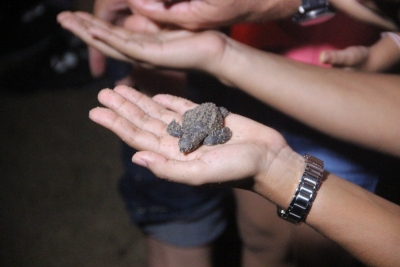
x,y
305,43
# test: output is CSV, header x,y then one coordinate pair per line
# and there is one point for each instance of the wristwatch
x,y
306,191
313,12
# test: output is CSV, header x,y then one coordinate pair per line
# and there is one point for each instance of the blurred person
x,y
181,224
302,44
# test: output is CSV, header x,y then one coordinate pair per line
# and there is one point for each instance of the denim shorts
x,y
174,213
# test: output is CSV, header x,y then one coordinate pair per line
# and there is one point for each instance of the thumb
x,y
147,159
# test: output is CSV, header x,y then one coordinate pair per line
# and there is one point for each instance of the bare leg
x,y
160,254
266,238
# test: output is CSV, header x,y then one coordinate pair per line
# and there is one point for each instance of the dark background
x,y
58,183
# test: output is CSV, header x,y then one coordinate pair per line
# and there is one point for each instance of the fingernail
x,y
323,57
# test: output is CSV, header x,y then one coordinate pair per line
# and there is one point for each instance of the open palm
x,y
141,122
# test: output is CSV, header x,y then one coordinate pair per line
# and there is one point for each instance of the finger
x,y
207,165
128,132
79,27
184,13
131,112
174,103
148,105
97,62
350,57
111,10
157,49
92,21
141,24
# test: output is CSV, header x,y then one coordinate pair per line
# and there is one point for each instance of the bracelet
x,y
306,191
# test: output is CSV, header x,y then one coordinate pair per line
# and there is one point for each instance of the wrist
x,y
234,65
305,193
226,63
280,181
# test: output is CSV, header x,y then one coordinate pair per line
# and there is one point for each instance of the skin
x,y
203,14
146,120
162,254
186,14
117,12
258,159
360,95
227,81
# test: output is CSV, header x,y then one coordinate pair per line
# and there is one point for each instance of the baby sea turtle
x,y
202,125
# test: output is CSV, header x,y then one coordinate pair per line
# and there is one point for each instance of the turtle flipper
x,y
218,137
174,129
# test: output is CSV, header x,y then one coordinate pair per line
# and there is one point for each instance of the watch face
x,y
317,16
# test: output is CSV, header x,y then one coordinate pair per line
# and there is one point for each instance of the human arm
x,y
346,105
379,57
203,14
256,158
362,108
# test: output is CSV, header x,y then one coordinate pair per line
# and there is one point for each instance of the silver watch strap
x,y
307,5
306,191
313,12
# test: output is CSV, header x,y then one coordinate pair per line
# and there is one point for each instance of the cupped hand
x,y
140,121
206,14
143,42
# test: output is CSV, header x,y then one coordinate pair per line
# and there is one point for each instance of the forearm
x,y
364,224
347,105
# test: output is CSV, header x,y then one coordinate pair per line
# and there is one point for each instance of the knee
x,y
261,233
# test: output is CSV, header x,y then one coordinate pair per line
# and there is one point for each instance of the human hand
x,y
353,57
256,155
148,44
381,56
203,14
150,81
